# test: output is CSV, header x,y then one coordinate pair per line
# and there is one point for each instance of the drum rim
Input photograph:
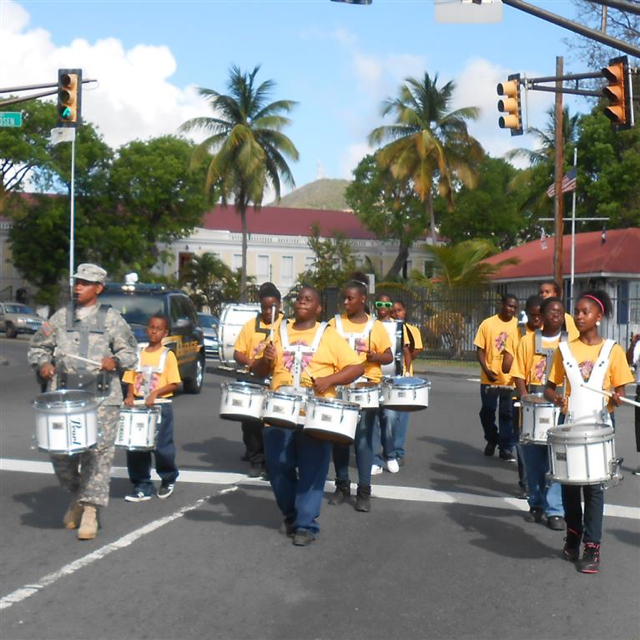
x,y
89,401
389,382
242,387
338,402
568,434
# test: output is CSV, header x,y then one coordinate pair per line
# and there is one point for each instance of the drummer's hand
x,y
129,401
616,400
269,353
558,400
321,385
150,400
47,371
109,364
492,375
372,356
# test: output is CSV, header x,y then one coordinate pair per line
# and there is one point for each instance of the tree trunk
x,y
243,274
432,217
401,258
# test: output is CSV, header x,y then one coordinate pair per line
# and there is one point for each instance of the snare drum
x,y
366,396
403,393
582,454
538,416
331,419
232,319
66,421
285,407
241,401
138,428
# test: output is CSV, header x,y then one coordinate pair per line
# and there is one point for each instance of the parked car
x,y
138,302
17,318
210,324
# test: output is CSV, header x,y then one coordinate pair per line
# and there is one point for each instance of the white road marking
x,y
387,492
28,590
473,380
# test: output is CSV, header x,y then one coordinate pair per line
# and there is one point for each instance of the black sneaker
x,y
555,523
255,471
521,494
302,538
506,455
286,528
571,551
535,515
166,490
137,496
490,449
590,562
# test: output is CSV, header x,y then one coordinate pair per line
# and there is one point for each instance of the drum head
x,y
64,398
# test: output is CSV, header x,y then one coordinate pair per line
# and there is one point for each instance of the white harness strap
x,y
586,406
298,350
148,371
394,329
352,337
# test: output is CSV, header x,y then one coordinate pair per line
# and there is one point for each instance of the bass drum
x,y
232,319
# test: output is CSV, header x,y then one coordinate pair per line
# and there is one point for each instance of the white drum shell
x,y
284,409
232,319
332,419
581,454
537,419
405,397
66,421
137,430
241,401
364,397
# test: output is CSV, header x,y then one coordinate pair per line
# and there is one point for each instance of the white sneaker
x,y
376,470
393,466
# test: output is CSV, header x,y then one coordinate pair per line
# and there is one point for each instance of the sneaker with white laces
x,y
137,496
376,470
165,490
393,466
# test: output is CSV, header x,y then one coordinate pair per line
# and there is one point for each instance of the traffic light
x,y
69,97
618,93
511,105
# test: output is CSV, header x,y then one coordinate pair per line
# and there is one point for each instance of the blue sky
x,y
338,61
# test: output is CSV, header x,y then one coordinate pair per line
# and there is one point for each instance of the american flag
x,y
568,184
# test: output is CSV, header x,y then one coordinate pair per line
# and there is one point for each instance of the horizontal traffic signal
x,y
69,97
510,105
618,92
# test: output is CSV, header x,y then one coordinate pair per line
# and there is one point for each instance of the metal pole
x,y
72,240
558,201
573,229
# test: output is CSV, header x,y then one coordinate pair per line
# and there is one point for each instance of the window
x,y
263,270
309,263
236,261
286,269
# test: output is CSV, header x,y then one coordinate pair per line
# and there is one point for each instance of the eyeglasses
x,y
380,304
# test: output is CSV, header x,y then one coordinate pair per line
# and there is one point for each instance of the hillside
x,y
320,194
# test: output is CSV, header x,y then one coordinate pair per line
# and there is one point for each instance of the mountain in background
x,y
320,194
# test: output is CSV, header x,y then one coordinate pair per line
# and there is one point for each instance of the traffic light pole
x,y
72,216
559,200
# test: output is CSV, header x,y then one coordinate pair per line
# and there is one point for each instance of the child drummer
x,y
154,379
297,464
603,365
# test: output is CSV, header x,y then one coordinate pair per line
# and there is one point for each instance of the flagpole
x,y
573,227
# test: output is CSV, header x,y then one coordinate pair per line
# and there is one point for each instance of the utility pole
x,y
559,200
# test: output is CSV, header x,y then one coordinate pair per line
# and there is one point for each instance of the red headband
x,y
596,299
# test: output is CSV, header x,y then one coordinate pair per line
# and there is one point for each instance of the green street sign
x,y
10,118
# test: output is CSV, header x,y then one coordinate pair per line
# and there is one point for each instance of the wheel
x,y
11,331
194,385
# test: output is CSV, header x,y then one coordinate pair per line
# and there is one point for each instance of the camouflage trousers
x,y
86,474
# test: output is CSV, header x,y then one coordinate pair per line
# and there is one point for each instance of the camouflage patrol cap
x,y
90,273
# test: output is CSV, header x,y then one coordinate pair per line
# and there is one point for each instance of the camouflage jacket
x,y
102,333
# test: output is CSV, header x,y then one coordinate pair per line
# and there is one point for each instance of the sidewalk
x,y
454,369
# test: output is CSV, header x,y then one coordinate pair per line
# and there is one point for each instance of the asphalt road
x,y
444,553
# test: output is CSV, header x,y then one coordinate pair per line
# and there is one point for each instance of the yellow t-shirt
x,y
169,375
513,341
529,365
617,374
378,343
250,342
417,343
570,323
492,337
333,354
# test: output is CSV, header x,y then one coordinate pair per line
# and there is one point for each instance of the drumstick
x,y
273,319
70,355
609,394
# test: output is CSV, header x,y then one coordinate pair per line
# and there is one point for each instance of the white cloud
x,y
351,156
134,97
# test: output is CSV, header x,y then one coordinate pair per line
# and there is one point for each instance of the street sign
x,y
10,118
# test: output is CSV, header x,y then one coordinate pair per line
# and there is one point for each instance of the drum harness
x,y
583,404
352,337
547,352
147,372
298,350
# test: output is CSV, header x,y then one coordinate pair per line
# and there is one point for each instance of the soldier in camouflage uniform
x,y
93,332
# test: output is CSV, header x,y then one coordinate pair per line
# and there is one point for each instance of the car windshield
x,y
134,309
207,321
18,308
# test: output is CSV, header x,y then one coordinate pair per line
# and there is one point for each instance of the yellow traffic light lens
x,y
509,88
509,122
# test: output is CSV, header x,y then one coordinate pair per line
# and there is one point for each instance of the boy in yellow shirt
x,y
155,379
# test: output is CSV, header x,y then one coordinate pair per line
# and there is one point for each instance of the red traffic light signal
x,y
618,93
511,105
69,97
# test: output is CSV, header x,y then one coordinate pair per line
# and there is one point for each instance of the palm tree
x,y
428,140
245,147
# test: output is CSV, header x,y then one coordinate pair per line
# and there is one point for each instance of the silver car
x,y
209,324
17,318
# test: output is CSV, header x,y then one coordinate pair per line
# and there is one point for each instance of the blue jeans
x,y
593,510
502,435
297,465
139,462
383,435
541,496
400,433
363,447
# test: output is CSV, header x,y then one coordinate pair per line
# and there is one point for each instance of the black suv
x,y
138,302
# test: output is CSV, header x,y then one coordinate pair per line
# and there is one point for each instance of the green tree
x,y
386,207
427,141
245,148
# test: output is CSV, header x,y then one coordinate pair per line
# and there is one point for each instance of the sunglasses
x,y
383,305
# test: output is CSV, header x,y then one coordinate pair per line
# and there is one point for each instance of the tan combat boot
x,y
89,524
71,519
